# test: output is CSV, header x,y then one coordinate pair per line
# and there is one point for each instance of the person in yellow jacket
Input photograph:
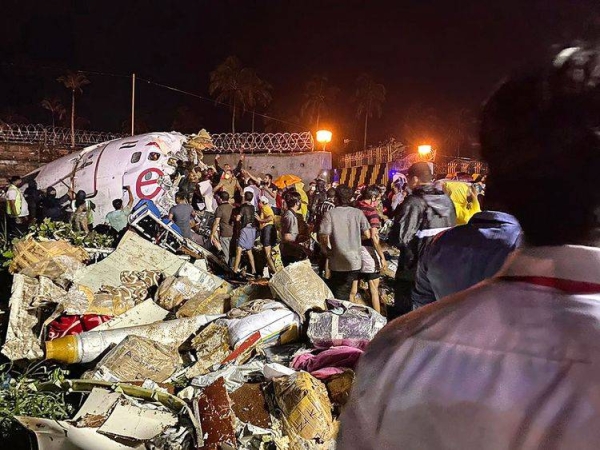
x,y
17,210
303,199
464,197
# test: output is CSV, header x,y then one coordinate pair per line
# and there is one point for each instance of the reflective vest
x,y
18,201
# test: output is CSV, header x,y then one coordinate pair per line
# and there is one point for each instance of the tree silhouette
x,y
75,82
318,98
56,108
369,97
227,85
257,92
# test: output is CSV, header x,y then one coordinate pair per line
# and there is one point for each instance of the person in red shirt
x,y
373,259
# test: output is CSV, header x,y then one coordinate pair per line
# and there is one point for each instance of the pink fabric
x,y
70,325
324,363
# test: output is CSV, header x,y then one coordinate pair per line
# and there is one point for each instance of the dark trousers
x,y
402,299
340,283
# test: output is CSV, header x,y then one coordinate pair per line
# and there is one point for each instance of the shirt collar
x,y
568,262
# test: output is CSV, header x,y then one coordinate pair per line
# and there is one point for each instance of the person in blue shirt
x,y
463,256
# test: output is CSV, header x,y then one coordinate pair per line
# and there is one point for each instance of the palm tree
x,y
257,92
227,83
369,97
75,82
55,107
319,96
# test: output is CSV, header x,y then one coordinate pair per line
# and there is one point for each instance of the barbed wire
x,y
223,142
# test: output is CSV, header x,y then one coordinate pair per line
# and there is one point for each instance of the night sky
x,y
443,56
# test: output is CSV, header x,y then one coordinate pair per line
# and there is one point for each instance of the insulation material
x,y
22,341
344,324
137,358
306,409
251,291
235,375
77,300
110,304
62,267
213,410
270,318
300,288
215,303
136,254
250,405
30,252
48,293
144,313
339,387
201,276
212,347
174,291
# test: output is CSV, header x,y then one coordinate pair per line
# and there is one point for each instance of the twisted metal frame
x,y
223,142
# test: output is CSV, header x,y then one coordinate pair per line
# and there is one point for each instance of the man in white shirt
x,y
514,362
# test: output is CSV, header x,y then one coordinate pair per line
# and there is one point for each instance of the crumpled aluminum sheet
x,y
22,341
234,376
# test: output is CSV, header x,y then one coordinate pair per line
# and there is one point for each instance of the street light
x,y
324,137
424,150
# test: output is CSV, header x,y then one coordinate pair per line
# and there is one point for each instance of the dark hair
x,y
14,178
269,176
422,171
344,194
331,193
223,195
248,196
372,191
539,136
293,199
180,196
117,204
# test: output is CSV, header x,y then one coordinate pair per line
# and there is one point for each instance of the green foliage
x,y
50,230
19,396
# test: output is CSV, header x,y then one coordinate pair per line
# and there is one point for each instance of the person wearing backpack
x,y
424,213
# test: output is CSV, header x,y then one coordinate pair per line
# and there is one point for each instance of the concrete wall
x,y
305,165
20,159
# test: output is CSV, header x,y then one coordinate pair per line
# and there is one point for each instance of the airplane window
x,y
136,157
153,156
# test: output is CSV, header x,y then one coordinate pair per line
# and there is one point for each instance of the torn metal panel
x,y
133,253
144,313
22,341
61,435
135,423
96,408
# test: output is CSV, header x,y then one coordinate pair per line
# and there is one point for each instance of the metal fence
x,y
375,155
51,136
263,142
224,142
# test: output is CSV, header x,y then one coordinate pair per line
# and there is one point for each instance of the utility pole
x,y
132,104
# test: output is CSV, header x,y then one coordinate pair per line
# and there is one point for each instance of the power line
x,y
164,86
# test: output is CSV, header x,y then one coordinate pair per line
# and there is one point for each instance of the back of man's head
x,y
422,171
248,196
180,197
331,193
371,192
117,204
344,194
223,196
539,135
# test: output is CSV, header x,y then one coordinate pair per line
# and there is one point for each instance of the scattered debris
x,y
259,365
